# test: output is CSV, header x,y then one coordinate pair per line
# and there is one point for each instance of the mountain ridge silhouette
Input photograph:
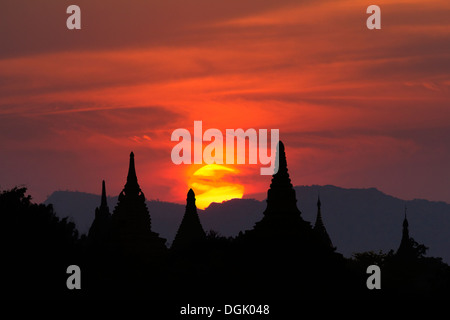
x,y
357,220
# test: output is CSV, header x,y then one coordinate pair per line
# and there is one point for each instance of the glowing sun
x,y
214,183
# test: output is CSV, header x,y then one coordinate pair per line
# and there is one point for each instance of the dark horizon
x,y
129,238
423,212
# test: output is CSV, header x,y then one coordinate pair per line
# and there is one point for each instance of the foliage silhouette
x,y
37,247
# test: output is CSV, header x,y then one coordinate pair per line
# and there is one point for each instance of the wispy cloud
x,y
352,104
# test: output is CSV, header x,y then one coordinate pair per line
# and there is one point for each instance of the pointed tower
x,y
190,230
405,247
99,230
282,247
103,202
281,199
319,227
131,225
282,219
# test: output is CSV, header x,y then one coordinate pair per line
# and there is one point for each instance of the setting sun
x,y
215,183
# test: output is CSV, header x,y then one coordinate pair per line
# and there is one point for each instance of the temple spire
x,y
405,233
405,221
132,177
281,197
405,249
132,187
281,178
130,221
103,202
319,227
190,200
99,230
190,231
282,219
319,222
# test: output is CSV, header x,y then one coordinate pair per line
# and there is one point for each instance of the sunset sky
x,y
355,107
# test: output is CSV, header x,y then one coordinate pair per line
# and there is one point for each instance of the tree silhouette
x,y
37,247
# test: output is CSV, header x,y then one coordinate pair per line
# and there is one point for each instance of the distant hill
x,y
227,218
357,219
366,219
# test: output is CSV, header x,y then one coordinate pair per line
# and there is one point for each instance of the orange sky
x,y
355,108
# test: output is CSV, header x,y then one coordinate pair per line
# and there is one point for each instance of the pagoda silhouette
x,y
281,258
282,219
409,249
405,247
319,227
130,222
190,231
282,243
98,235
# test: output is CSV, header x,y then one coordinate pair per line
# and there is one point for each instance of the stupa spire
x,y
281,197
405,249
190,230
103,202
319,222
405,224
131,223
131,177
190,200
282,222
405,233
98,232
319,227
